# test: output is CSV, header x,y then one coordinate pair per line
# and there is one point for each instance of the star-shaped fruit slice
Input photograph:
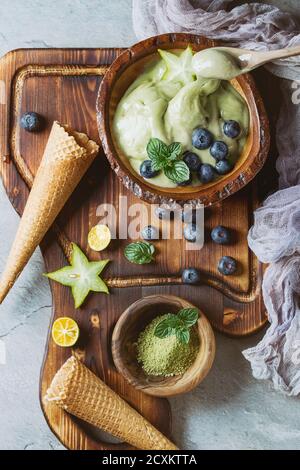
x,y
82,276
179,67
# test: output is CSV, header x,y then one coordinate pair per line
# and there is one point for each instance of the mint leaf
x,y
189,316
158,153
163,330
152,249
178,172
166,158
178,325
139,252
183,335
174,150
166,327
158,163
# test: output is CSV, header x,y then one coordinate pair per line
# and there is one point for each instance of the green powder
x,y
165,356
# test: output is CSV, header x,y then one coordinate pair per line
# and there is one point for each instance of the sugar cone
x,y
67,156
78,391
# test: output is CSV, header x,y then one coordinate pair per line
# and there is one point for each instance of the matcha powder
x,y
165,356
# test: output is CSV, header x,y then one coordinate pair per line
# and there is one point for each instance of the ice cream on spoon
x,y
227,63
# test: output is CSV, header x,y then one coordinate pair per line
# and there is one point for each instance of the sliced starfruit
x,y
82,276
65,332
99,237
179,67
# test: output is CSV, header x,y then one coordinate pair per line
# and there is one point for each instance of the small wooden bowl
x,y
125,335
124,71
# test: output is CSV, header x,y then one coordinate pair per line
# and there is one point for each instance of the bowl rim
x,y
223,187
207,342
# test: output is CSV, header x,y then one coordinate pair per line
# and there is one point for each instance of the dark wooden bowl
x,y
123,72
125,335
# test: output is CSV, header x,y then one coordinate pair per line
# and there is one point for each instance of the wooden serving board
x,y
62,84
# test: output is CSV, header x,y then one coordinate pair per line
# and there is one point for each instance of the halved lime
x,y
65,332
99,237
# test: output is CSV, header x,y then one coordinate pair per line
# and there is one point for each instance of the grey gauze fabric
x,y
275,235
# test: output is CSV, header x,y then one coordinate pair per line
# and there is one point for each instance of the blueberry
x,y
191,232
187,182
164,214
192,160
146,170
191,276
223,167
232,129
220,235
201,138
219,150
206,173
31,122
227,265
150,233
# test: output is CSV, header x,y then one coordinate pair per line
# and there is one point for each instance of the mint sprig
x,y
167,158
139,252
178,325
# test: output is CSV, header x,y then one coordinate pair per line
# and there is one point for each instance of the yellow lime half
x,y
99,237
65,332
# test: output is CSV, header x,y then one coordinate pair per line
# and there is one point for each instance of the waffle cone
x,y
78,391
67,156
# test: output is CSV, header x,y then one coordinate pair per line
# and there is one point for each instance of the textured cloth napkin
x,y
275,235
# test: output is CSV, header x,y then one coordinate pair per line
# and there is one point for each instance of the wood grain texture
x,y
125,335
62,84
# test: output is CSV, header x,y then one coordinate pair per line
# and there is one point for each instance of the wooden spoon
x,y
249,60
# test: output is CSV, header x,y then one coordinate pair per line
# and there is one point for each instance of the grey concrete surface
x,y
230,410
